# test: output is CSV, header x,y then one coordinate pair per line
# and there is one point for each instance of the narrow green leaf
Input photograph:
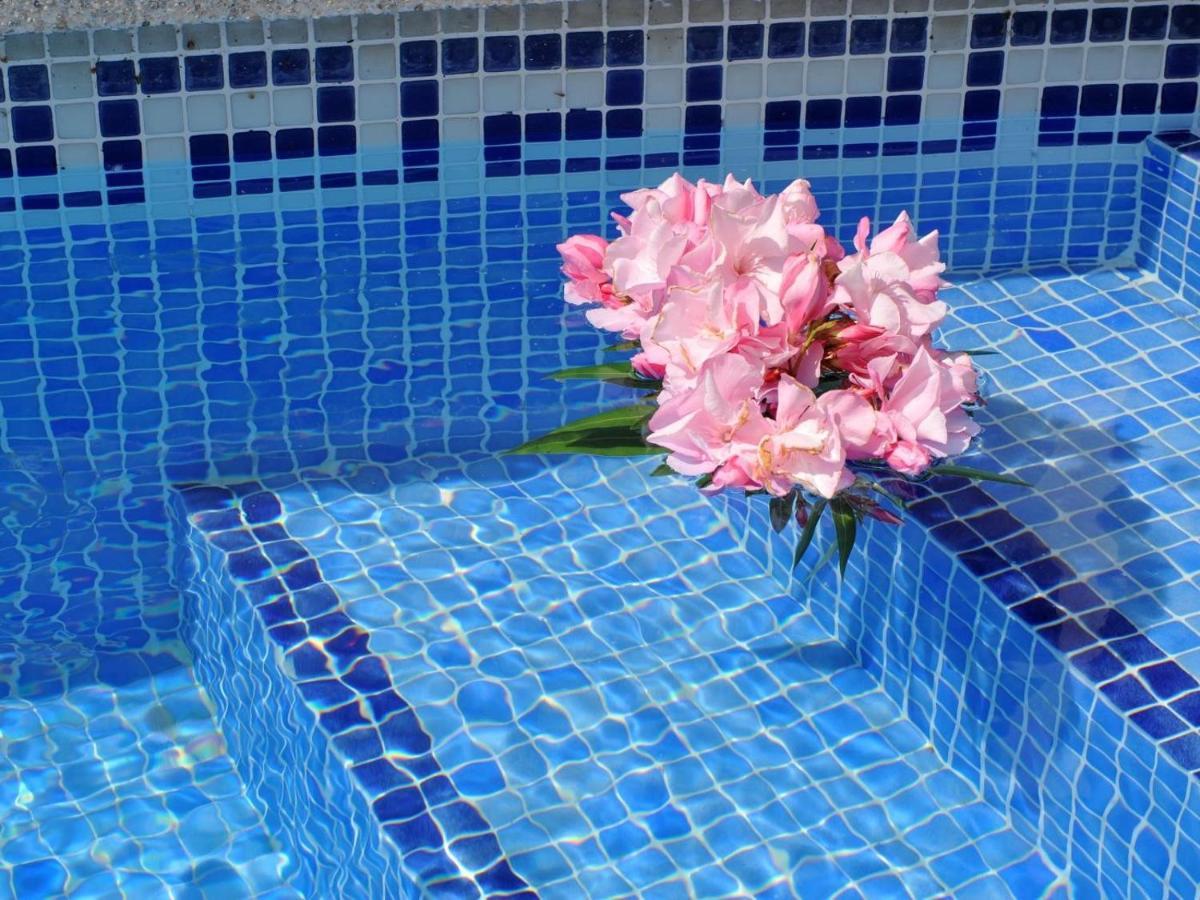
x,y
781,511
663,469
623,345
704,480
976,352
810,529
621,373
980,474
846,526
614,432
826,555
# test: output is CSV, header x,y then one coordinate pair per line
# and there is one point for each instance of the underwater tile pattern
x,y
1170,190
613,682
129,792
239,112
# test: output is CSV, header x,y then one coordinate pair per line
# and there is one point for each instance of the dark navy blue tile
x,y
906,73
1098,664
334,63
989,30
252,146
336,139
584,124
28,83
461,55
422,134
33,161
1038,611
1128,693
1098,100
585,49
501,53
119,118
1159,722
208,149
620,123
543,51
502,129
863,112
159,74
31,124
624,87
1139,99
868,36
745,41
823,114
703,83
1061,100
541,127
1068,26
985,69
1148,23
903,110
290,67
1136,650
204,73
294,143
1108,24
1028,28
335,104
1178,97
702,120
705,43
418,59
418,99
1185,22
627,47
1185,750
113,77
121,155
248,69
1066,636
1168,679
781,115
1183,61
909,34
827,38
785,39
1188,706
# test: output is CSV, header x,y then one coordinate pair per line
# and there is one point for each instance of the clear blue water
x,y
372,659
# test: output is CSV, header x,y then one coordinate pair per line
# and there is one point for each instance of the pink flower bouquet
x,y
773,361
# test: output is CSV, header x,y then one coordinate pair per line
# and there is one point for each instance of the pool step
x,y
594,688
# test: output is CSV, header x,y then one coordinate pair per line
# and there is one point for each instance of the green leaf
x,y
615,432
623,345
663,469
704,480
846,526
781,511
810,529
621,373
826,555
980,474
976,352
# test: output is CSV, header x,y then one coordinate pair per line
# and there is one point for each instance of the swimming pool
x,y
278,619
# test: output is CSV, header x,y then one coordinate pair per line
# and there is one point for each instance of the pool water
x,y
285,623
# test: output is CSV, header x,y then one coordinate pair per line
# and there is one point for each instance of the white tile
x,y
1144,61
1021,102
111,42
1104,64
1064,64
376,27
333,29
666,86
665,46
743,115
165,150
71,80
250,109
501,93
75,120
626,13
947,33
206,112
584,90
378,135
420,23
867,76
376,62
292,106
244,34
664,12
1024,66
157,39
68,43
942,106
24,46
461,129
460,95
825,77
201,36
784,79
377,102
943,71
743,81
667,119
288,31
544,91
162,115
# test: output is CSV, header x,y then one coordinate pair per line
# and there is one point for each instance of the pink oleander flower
x,y
922,417
583,264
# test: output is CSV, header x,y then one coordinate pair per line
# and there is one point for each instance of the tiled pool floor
x,y
629,702
128,793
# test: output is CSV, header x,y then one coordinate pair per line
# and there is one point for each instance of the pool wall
x,y
1170,189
